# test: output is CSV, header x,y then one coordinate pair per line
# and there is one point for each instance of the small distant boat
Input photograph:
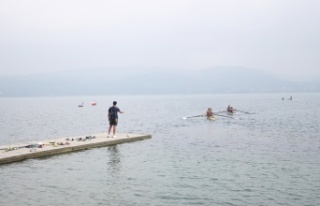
x,y
93,103
211,118
80,105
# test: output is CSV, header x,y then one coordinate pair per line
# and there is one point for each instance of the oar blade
x,y
192,116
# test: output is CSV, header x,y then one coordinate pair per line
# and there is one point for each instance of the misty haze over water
x,y
163,60
102,82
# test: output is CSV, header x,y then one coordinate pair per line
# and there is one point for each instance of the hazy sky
x,y
281,36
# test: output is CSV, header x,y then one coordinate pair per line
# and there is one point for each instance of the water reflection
x,y
113,179
114,162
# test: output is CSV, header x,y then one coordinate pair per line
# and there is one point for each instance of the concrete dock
x,y
19,152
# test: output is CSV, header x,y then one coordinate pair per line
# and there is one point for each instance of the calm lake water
x,y
271,157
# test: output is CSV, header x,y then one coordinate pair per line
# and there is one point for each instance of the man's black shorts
x,y
113,121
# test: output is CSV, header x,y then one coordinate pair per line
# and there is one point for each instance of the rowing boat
x,y
211,118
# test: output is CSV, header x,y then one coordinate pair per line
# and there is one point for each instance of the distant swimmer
x,y
290,98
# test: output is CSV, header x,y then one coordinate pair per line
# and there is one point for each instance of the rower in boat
x,y
209,114
230,109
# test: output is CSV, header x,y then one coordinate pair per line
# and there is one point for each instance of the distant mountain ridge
x,y
104,82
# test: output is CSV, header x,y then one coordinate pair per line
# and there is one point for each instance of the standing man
x,y
113,118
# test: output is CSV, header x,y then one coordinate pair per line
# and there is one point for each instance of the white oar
x,y
201,115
